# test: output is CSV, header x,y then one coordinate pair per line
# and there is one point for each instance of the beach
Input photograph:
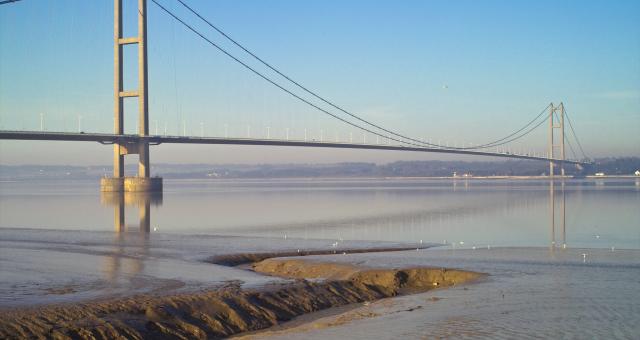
x,y
280,286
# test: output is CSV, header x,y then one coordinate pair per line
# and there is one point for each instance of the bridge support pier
x,y
131,184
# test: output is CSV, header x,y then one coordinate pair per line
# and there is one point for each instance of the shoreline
x,y
231,310
239,259
341,178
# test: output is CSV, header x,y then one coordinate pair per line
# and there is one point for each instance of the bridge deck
x,y
155,140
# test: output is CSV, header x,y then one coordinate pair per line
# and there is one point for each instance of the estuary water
x,y
550,248
466,213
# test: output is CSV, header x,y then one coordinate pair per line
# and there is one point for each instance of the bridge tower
x,y
556,123
143,182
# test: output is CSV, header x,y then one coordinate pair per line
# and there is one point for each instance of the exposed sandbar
x,y
230,310
232,260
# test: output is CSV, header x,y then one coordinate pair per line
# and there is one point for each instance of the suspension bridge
x,y
126,144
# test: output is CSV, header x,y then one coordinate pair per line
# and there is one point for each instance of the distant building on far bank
x,y
599,174
637,172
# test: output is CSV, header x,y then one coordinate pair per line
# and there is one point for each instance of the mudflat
x,y
315,285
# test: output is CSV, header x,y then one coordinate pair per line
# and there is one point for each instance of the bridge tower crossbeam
x,y
143,182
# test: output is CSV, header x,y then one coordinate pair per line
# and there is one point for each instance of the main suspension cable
x,y
497,142
275,83
220,31
575,135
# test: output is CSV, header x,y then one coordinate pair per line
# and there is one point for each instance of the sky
x,y
452,72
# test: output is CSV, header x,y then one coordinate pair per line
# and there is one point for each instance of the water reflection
x,y
119,200
467,214
477,212
126,262
553,215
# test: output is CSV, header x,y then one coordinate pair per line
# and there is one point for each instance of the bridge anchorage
x,y
143,182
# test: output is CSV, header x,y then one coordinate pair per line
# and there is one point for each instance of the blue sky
x,y
454,71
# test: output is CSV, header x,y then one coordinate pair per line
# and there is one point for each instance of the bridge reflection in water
x,y
144,200
141,200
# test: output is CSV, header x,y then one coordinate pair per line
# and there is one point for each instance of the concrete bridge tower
x,y
556,124
142,182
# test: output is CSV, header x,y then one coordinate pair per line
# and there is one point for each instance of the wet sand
x,y
45,267
313,285
529,293
245,258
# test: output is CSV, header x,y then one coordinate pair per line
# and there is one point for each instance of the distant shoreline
x,y
612,167
340,178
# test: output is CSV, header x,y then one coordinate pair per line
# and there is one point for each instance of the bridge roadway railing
x,y
104,138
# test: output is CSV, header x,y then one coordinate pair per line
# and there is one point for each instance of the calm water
x,y
64,241
598,214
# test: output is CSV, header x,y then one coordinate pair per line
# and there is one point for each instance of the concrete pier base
x,y
131,184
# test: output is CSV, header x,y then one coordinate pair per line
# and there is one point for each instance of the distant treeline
x,y
609,166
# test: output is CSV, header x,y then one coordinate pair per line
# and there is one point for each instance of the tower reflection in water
x,y
125,262
557,216
142,200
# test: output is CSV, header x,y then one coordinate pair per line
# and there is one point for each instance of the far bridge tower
x,y
556,123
